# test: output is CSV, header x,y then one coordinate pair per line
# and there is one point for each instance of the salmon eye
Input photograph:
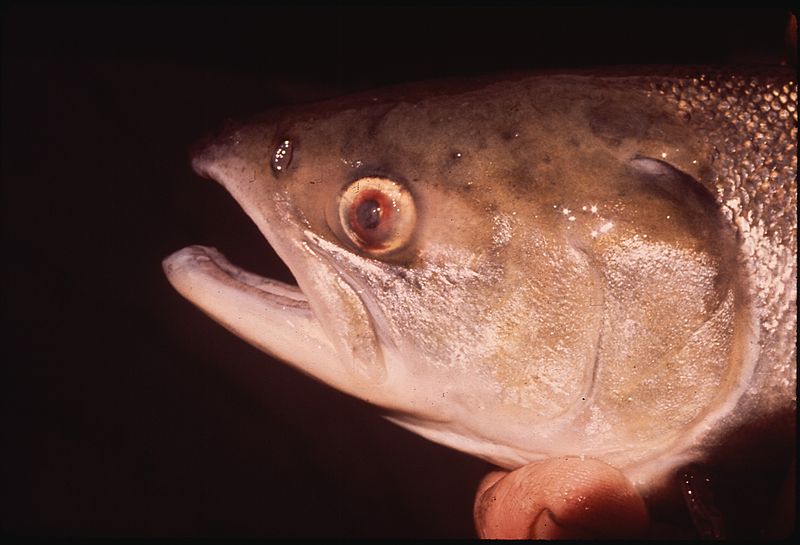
x,y
377,214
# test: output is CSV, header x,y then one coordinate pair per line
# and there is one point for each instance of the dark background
x,y
125,411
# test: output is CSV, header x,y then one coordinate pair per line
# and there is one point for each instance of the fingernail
x,y
546,526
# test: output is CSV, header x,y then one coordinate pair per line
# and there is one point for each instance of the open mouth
x,y
202,273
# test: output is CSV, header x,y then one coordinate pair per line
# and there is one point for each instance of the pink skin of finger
x,y
559,498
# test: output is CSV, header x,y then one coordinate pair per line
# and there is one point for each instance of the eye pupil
x,y
368,214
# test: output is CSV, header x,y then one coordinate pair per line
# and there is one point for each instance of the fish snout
x,y
213,146
198,155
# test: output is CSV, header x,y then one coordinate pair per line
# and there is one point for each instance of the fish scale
x,y
750,124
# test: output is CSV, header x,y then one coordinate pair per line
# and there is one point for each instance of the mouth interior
x,y
258,271
248,256
268,286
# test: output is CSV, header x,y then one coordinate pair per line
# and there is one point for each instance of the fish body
x,y
585,264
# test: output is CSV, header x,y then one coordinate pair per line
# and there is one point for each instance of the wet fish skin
x,y
602,265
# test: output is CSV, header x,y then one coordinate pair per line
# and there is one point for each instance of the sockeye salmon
x,y
548,265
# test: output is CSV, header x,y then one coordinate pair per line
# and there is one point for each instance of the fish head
x,y
408,251
520,270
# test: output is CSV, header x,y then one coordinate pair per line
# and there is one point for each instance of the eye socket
x,y
377,214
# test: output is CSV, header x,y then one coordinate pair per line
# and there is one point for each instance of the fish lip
x,y
212,262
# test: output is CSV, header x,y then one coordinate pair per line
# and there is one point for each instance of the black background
x,y
125,411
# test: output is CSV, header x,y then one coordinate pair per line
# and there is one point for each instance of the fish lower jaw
x,y
272,316
210,261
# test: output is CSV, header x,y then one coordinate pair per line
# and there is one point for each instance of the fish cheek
x,y
313,187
